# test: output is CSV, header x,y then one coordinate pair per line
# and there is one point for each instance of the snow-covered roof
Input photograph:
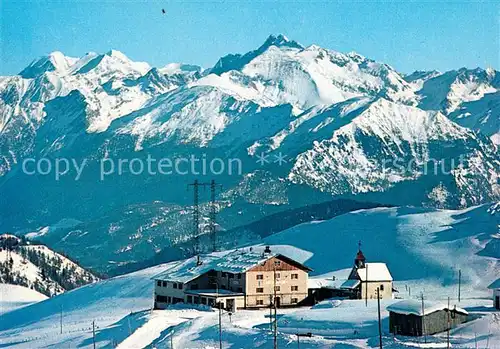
x,y
414,307
350,284
188,269
376,272
241,261
323,283
238,261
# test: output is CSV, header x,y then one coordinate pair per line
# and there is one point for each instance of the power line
x,y
196,214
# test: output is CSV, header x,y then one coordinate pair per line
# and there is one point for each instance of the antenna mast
x,y
213,214
196,214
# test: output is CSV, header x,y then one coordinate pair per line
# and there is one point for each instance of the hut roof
x,y
414,307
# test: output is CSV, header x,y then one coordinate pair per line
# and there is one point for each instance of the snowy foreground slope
x,y
422,247
15,296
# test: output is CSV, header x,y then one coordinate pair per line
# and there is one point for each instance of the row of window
x,y
164,284
278,276
168,299
261,301
276,288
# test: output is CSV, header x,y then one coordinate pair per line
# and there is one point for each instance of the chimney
x,y
198,261
267,250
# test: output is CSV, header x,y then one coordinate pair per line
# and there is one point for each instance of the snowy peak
x,y
114,63
280,40
54,62
117,54
238,61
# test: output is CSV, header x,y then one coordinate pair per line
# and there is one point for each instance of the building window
x,y
161,299
190,299
381,287
260,277
277,263
230,276
276,288
295,276
223,274
240,289
260,290
203,301
260,302
175,285
278,275
295,288
295,300
158,283
239,275
164,284
180,286
169,299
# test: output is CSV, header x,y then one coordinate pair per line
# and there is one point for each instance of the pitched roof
x,y
414,307
188,269
238,261
376,272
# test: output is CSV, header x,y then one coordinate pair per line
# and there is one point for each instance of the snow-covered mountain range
x,y
347,125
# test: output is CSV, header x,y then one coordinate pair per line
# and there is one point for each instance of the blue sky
x,y
407,35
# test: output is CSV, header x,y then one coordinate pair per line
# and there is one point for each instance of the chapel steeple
x,y
360,260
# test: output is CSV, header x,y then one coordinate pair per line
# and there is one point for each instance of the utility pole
x,y
220,325
366,285
61,319
448,327
379,319
459,283
424,332
93,332
271,313
275,311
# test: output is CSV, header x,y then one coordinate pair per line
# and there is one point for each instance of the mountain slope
x,y
388,143
39,268
468,96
